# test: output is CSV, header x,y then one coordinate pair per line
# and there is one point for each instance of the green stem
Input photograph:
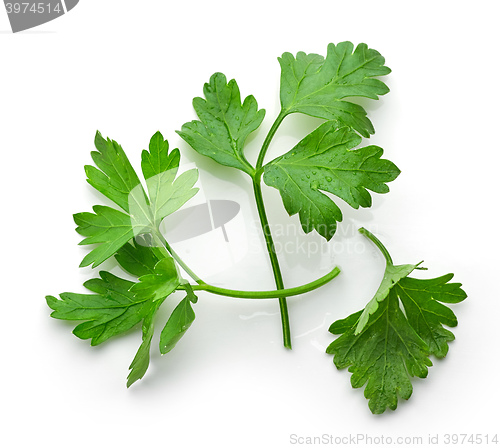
x,y
377,243
278,278
159,238
384,251
264,294
260,160
271,250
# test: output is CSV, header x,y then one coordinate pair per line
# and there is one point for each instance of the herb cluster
x,y
384,345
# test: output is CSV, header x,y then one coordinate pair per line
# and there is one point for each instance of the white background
x,y
130,68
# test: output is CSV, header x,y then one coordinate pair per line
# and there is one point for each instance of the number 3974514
x,y
33,8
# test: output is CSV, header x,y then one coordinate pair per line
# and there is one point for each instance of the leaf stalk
x,y
278,278
297,290
377,243
159,238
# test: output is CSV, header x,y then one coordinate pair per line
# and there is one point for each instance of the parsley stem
x,y
161,239
267,141
278,278
265,294
377,243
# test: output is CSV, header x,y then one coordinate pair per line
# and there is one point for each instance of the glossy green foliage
x,y
324,161
140,363
225,123
167,190
392,275
384,345
179,322
160,283
118,305
421,299
112,309
114,176
138,259
384,356
390,341
318,86
109,228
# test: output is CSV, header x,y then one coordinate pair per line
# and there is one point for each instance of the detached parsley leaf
x,y
316,86
385,356
225,123
384,347
324,161
421,300
392,275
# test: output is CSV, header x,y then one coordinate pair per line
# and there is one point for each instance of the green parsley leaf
x,y
178,323
119,304
112,310
425,314
392,275
324,161
140,363
384,347
137,259
225,123
385,355
316,86
116,179
110,228
157,287
166,192
161,283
